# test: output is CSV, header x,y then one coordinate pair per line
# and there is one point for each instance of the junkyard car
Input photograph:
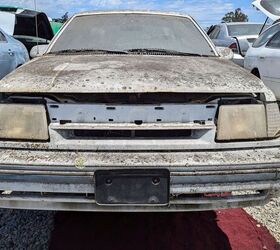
x,y
136,111
271,8
12,54
237,36
263,59
28,26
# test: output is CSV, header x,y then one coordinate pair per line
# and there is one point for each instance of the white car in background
x,y
12,54
263,58
237,36
271,8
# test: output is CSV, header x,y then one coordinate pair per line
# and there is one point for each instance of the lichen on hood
x,y
87,73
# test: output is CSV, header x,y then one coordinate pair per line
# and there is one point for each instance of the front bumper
x,y
56,180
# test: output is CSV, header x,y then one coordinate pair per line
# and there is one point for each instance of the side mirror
x,y
225,53
38,50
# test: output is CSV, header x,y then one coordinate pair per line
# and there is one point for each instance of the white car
x,y
271,8
237,36
12,54
263,58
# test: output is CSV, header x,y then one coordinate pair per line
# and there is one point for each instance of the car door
x,y
219,36
7,56
270,64
272,57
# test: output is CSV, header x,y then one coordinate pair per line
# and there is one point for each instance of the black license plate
x,y
132,187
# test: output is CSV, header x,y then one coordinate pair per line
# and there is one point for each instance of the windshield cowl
x,y
141,51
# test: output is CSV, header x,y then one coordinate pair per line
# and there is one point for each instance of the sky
x,y
204,11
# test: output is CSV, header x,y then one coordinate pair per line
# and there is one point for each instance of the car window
x,y
2,37
123,32
215,32
265,36
274,42
222,33
244,29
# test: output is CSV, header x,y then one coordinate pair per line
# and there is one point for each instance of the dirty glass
x,y
244,29
120,32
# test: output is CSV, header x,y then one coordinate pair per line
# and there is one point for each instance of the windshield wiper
x,y
161,51
92,51
129,51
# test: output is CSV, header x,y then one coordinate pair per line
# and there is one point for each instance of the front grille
x,y
133,134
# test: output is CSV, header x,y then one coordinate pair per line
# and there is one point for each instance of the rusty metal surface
x,y
130,74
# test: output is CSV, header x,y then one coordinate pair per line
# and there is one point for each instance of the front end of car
x,y
143,127
138,152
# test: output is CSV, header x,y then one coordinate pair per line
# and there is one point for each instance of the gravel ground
x,y
22,229
269,216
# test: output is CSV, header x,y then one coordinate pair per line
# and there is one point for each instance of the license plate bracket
x,y
132,187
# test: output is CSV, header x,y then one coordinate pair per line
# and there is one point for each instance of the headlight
x,y
273,119
242,122
23,122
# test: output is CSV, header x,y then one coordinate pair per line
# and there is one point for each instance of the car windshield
x,y
132,32
265,36
245,29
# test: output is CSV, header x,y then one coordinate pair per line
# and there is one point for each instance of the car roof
x,y
86,13
241,23
275,24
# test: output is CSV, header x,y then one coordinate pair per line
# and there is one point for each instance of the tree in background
x,y
236,16
65,17
62,19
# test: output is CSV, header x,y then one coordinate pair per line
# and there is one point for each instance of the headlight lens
x,y
273,119
242,122
23,122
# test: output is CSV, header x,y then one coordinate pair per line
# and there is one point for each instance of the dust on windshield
x,y
124,32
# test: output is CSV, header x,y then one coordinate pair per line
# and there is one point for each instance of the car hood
x,y
130,74
269,8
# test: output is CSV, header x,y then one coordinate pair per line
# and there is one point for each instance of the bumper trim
x,y
83,203
70,188
223,188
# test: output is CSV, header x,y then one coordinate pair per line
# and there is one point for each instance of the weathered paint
x,y
183,159
130,74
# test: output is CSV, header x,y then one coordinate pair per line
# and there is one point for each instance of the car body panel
x,y
129,74
270,9
12,55
267,61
